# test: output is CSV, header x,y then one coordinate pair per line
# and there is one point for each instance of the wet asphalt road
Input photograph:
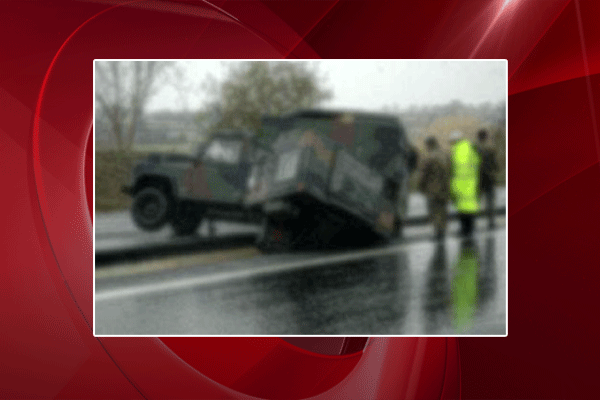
x,y
414,287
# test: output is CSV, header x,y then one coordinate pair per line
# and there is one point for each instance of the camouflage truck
x,y
332,176
183,190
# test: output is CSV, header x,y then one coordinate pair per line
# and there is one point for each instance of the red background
x,y
47,348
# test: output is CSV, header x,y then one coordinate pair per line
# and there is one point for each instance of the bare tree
x,y
123,89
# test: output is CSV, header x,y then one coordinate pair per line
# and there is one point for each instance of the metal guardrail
x,y
111,257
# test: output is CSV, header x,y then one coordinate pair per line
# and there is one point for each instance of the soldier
x,y
464,186
434,183
488,170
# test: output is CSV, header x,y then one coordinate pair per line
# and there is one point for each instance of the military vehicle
x,y
182,190
332,176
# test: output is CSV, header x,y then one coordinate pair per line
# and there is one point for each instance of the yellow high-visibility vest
x,y
465,177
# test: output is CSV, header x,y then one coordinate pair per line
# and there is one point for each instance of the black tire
x,y
151,208
275,237
397,233
186,219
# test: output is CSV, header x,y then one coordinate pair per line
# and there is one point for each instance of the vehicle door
x,y
220,173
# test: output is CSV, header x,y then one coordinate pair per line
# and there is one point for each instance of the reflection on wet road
x,y
456,297
359,296
415,288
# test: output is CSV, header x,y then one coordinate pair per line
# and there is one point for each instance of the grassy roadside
x,y
113,170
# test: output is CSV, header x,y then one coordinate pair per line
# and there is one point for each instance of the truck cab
x,y
183,190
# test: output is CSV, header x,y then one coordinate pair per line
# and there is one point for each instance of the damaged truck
x,y
311,178
332,178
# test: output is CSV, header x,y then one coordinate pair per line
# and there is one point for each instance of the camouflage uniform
x,y
434,183
487,175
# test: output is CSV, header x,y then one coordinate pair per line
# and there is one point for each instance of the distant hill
x,y
440,120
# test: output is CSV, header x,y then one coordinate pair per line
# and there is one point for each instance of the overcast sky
x,y
371,84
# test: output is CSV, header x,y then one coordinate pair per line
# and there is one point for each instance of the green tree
x,y
254,88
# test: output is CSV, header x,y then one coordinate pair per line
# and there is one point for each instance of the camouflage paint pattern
x,y
195,183
344,161
344,130
198,180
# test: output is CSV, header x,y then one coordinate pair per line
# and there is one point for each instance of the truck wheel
x,y
275,237
397,232
150,208
186,220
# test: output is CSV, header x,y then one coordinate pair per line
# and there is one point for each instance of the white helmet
x,y
455,135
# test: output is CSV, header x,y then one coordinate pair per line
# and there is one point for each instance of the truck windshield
x,y
223,151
